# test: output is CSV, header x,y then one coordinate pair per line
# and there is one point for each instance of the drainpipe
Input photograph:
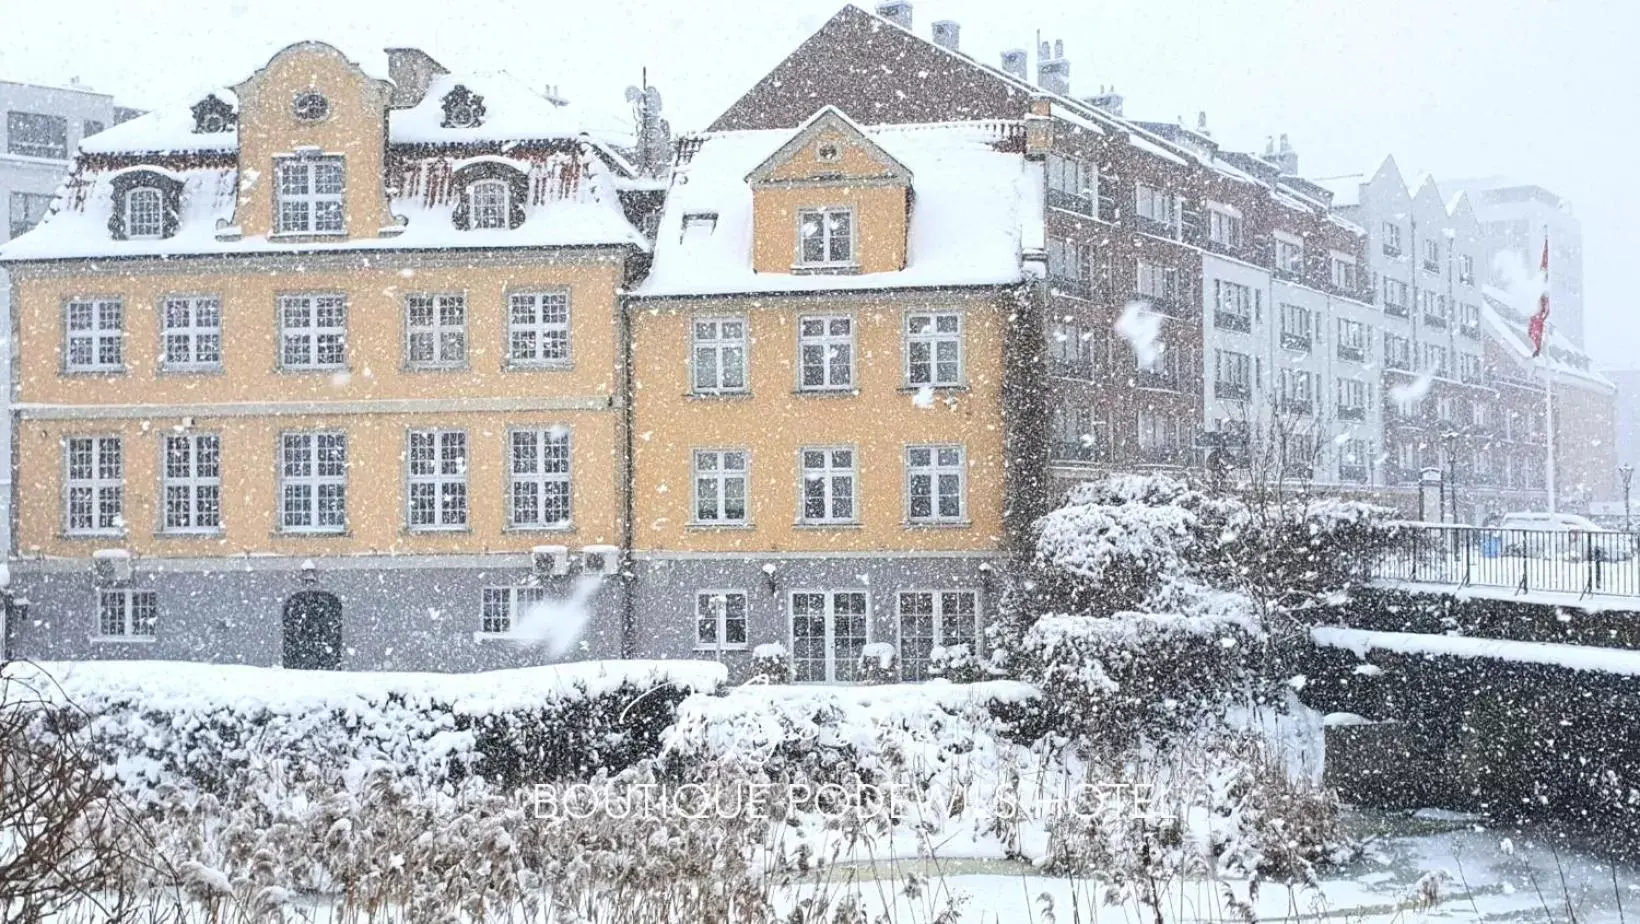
x,y
629,622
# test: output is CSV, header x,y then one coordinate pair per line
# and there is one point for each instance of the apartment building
x,y
1136,212
824,456
325,369
43,127
1515,217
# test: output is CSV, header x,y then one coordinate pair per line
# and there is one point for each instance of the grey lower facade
x,y
427,613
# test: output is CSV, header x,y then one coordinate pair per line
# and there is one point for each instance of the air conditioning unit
x,y
111,566
601,560
551,560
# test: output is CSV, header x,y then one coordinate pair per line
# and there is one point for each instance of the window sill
x,y
299,236
555,365
718,395
712,649
96,373
827,392
501,637
435,367
700,526
825,269
120,639
190,534
913,389
938,524
311,534
310,370
841,524
436,531
192,370
565,528
93,536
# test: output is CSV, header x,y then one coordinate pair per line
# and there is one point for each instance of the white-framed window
x,y
1395,296
933,349
144,213
1432,254
124,614
830,477
193,333
718,355
1352,399
825,347
1224,225
936,481
501,608
932,619
1289,255
1158,282
720,487
1435,359
1232,375
1296,387
1232,306
435,331
488,202
1352,340
1466,269
1343,272
829,631
1070,264
193,483
313,482
720,620
95,328
538,489
537,328
95,499
1075,350
1072,184
438,479
1157,206
312,332
1469,316
1392,239
825,237
1353,458
308,196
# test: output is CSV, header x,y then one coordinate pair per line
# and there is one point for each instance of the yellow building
x,y
324,370
820,355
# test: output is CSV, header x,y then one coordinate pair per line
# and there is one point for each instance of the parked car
x,y
1582,539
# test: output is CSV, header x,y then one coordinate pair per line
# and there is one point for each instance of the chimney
x,y
897,12
1053,72
1014,62
1201,124
1108,101
1283,157
411,70
945,34
552,95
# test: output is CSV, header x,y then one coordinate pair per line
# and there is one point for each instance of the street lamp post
x,y
1450,439
1626,472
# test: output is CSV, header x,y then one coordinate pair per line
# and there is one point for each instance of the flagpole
x,y
1548,383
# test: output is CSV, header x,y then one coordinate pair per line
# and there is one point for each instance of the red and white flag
x,y
1535,327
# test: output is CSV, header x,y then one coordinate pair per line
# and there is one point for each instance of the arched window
x,y
489,202
144,213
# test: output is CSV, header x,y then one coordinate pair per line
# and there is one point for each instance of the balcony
x,y
1355,473
1163,379
1352,354
1466,279
1158,227
1070,202
1352,413
1077,451
1394,310
1163,455
1288,274
1240,323
1470,329
1434,320
1295,405
1232,391
1401,363
1081,369
1392,250
1472,377
1432,266
1292,341
1170,305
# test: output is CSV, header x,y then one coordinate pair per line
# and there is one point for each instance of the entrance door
x,y
828,634
313,631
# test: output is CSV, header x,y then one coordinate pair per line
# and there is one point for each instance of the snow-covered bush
x,y
879,663
771,663
199,725
956,663
1308,551
1113,682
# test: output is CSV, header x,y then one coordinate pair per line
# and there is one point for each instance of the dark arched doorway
x,y
313,631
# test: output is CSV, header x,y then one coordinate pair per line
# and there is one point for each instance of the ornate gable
x,y
830,149
462,108
212,115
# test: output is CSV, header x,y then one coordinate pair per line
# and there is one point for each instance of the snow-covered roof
x,y
971,206
1512,335
582,212
165,130
1346,190
512,112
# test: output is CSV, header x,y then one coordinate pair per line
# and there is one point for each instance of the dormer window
x,y
825,237
144,213
309,196
212,115
462,108
490,203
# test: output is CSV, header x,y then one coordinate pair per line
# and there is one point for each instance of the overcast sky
x,y
1542,91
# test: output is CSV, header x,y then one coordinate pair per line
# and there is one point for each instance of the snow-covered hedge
x,y
200,724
